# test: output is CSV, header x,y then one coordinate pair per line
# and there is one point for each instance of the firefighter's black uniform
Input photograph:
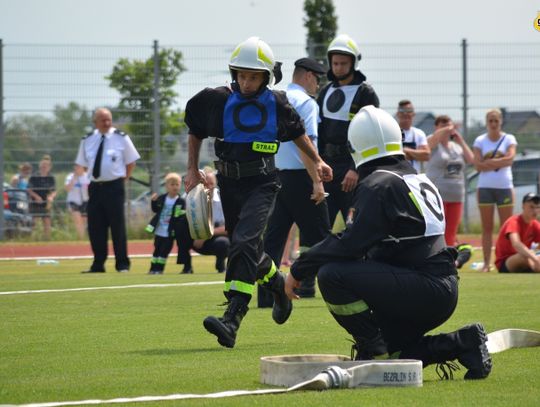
x,y
163,244
337,106
390,269
247,133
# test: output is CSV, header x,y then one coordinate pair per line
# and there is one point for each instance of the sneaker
x,y
92,271
188,270
155,272
464,254
123,271
476,357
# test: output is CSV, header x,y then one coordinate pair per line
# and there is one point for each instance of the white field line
x,y
230,393
172,254
115,287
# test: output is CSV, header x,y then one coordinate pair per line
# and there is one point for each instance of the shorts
x,y
503,269
78,208
495,196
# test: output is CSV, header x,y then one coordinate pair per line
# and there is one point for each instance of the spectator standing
x,y
494,154
170,211
217,245
446,169
42,191
76,185
248,121
415,145
20,180
294,203
345,95
109,155
517,247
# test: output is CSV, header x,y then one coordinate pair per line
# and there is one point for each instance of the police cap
x,y
310,64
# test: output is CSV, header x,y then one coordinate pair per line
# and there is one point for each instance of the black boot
x,y
464,254
367,349
226,327
467,345
282,307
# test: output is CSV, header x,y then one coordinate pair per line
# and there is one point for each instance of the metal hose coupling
x,y
338,378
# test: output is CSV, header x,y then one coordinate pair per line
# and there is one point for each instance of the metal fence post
x,y
156,161
2,220
465,127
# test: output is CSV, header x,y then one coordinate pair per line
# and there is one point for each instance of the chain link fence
x,y
48,94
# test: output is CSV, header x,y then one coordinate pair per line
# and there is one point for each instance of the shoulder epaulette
x,y
88,135
116,131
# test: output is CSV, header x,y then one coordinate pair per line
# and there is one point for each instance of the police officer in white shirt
x,y
294,203
415,145
109,155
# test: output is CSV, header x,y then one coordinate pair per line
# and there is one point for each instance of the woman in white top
x,y
494,154
76,186
446,169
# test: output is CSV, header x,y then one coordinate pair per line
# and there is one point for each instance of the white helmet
x,y
343,44
374,133
254,54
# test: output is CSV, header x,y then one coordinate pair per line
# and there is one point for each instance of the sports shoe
x,y
187,270
123,271
92,271
155,272
464,254
475,356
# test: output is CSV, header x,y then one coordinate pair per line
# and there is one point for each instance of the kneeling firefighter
x,y
389,278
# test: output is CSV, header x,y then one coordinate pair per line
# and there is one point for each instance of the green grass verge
x,y
150,341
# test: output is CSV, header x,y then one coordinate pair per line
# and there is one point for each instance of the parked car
x,y
526,174
17,219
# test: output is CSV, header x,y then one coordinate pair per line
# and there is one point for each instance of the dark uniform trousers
x,y
338,200
404,303
293,205
106,210
217,246
247,203
162,249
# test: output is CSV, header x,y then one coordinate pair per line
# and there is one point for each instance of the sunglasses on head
x,y
405,110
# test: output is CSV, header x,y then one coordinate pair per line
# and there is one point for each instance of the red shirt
x,y
528,233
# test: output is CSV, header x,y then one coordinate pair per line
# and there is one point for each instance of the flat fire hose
x,y
322,372
199,213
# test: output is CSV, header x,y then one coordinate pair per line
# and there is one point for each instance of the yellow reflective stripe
x,y
264,147
393,147
352,46
348,309
394,355
351,116
411,195
239,286
303,249
263,57
158,260
235,52
369,152
266,278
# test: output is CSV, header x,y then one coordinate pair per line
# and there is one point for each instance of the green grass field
x,y
133,342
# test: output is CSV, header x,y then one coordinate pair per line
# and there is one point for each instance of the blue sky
x,y
276,21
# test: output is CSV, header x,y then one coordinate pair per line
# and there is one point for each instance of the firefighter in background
x,y
339,101
389,277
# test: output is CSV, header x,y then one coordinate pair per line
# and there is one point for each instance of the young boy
x,y
169,210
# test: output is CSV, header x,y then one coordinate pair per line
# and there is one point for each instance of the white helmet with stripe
x,y
374,133
343,44
253,54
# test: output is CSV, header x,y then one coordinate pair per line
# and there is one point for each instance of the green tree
x,y
134,80
321,24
